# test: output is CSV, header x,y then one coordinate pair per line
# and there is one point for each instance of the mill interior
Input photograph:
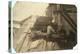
x,y
33,34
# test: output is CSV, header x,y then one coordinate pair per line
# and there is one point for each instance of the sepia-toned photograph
x,y
41,26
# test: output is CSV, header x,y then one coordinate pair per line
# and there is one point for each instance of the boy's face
x,y
53,20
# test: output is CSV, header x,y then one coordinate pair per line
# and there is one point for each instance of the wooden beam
x,y
70,22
